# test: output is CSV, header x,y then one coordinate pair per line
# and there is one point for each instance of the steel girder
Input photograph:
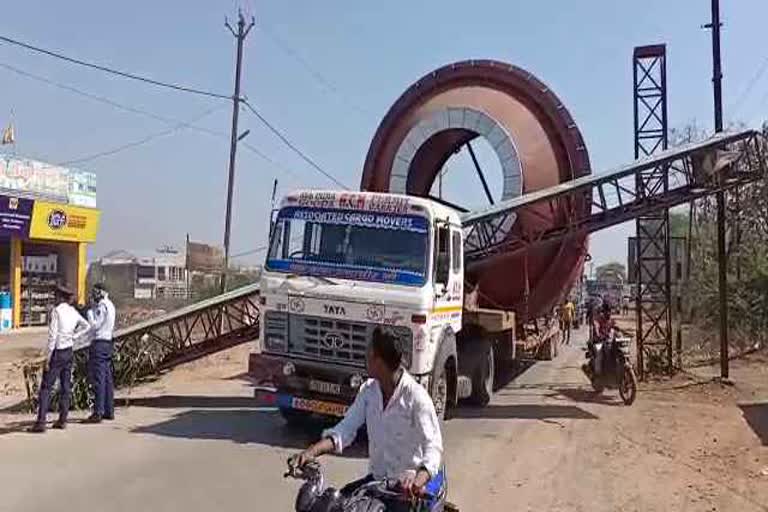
x,y
157,344
692,171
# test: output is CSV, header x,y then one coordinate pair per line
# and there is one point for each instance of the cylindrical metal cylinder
x,y
537,143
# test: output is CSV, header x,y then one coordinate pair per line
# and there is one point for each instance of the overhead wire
x,y
292,146
151,115
734,109
319,77
113,71
149,138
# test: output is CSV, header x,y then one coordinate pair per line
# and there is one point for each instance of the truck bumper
x,y
313,387
271,397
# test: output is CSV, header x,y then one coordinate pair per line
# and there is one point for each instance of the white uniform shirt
x,y
403,437
102,319
65,326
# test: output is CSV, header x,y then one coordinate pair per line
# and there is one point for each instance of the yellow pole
x,y
82,272
16,281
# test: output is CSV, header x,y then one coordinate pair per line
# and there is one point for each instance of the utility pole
x,y
240,35
722,262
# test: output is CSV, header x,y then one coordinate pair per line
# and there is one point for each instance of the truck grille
x,y
341,341
275,331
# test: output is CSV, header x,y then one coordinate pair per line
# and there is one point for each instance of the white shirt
x,y
403,437
102,319
65,326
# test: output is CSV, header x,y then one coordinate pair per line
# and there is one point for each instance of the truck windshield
x,y
350,245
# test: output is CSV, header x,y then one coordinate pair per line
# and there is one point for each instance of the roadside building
x,y
48,217
158,274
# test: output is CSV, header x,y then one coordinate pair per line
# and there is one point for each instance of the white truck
x,y
341,264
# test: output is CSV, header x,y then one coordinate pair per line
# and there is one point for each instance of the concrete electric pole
x,y
240,34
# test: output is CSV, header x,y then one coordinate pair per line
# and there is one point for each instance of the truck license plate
x,y
327,408
329,388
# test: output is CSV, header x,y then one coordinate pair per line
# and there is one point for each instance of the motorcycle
x,y
313,496
615,368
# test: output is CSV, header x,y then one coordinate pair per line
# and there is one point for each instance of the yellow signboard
x,y
52,221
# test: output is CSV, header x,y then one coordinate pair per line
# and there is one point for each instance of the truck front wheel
x,y
440,392
484,375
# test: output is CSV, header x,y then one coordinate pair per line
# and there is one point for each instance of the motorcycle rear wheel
x,y
628,385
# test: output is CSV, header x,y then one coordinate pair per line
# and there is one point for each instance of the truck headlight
x,y
356,381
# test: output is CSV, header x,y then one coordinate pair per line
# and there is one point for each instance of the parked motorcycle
x,y
614,369
313,496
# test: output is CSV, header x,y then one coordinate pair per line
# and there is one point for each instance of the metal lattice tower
x,y
653,298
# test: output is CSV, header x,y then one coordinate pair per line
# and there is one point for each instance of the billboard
x,y
22,176
15,216
52,221
204,257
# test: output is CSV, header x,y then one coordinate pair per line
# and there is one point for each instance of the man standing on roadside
x,y
566,320
101,317
66,325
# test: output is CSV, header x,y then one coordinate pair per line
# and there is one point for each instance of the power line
x,y
140,142
325,83
748,89
138,111
252,251
292,146
112,71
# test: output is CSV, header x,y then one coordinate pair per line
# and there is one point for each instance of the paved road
x,y
203,453
542,444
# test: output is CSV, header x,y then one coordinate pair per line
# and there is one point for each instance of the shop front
x,y
43,244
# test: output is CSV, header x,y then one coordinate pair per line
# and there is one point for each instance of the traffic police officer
x,y
101,317
65,327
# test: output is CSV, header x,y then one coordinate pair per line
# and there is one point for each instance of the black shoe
x,y
93,418
60,425
108,418
37,428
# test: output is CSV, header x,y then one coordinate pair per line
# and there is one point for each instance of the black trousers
x,y
100,362
60,367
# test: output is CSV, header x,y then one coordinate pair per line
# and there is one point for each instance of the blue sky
x,y
366,54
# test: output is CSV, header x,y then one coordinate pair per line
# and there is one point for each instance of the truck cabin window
x,y
348,244
442,255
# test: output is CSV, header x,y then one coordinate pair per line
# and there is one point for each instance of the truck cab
x,y
341,264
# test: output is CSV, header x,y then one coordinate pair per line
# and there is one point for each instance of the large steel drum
x,y
538,145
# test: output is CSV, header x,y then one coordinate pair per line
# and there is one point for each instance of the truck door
x,y
448,276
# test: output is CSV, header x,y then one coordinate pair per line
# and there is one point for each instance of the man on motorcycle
x,y
603,325
404,438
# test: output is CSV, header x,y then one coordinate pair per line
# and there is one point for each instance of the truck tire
x,y
484,376
439,391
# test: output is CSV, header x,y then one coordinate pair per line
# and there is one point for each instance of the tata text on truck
x,y
341,264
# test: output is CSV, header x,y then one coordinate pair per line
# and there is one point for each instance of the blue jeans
x,y
100,361
59,368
